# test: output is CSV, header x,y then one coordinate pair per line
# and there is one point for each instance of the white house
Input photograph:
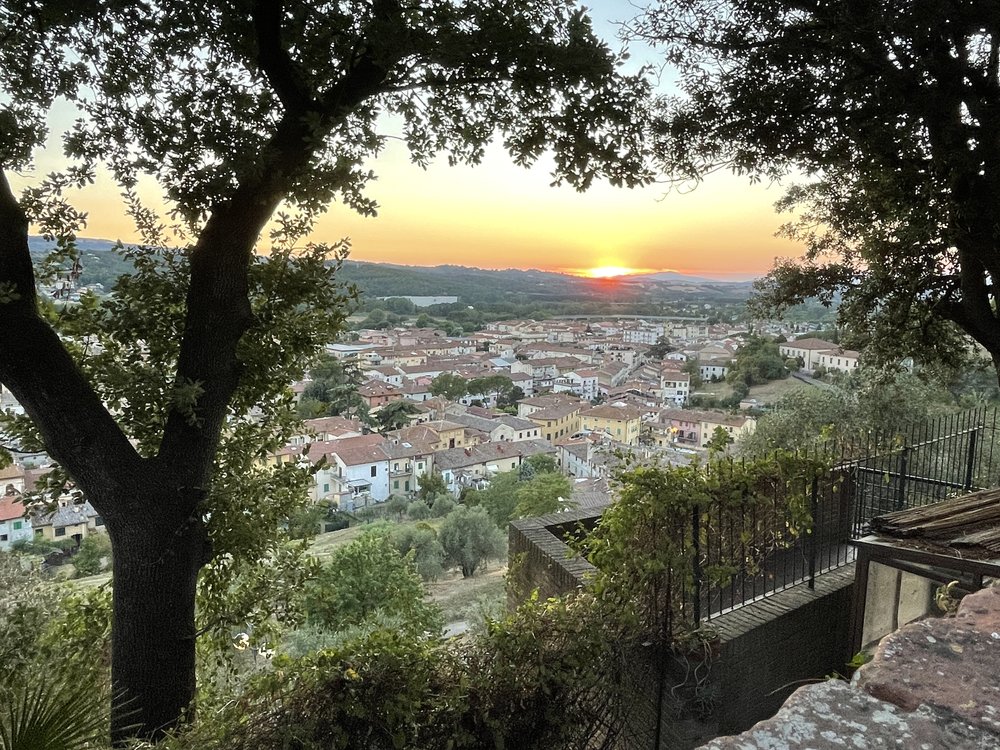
x,y
675,387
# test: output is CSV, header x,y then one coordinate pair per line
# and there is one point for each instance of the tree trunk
x,y
153,630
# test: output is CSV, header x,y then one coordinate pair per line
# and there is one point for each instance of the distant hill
x,y
473,286
511,285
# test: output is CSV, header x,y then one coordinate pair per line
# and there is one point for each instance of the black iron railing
x,y
741,554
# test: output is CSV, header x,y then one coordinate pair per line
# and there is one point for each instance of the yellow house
x,y
621,422
558,421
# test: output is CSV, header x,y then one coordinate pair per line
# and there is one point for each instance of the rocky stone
x,y
932,685
833,715
947,663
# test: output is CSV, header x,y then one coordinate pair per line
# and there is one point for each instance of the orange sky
x,y
498,215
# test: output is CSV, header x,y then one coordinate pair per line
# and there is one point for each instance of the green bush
x,y
469,538
442,506
418,510
420,541
93,556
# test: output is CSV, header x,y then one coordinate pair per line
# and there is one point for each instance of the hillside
x,y
474,286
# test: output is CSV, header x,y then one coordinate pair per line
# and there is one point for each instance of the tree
x,y
88,559
469,538
891,110
431,485
660,349
334,390
546,493
366,579
499,498
421,541
756,362
450,386
395,415
543,463
236,111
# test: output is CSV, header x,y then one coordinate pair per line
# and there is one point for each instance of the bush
x,y
442,506
93,556
418,510
368,579
396,505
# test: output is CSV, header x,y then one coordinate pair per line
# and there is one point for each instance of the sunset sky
x,y
498,215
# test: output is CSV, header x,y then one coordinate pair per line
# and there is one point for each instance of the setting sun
x,y
606,272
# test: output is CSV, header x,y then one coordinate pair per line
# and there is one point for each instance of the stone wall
x,y
767,648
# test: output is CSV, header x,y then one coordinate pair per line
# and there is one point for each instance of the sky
x,y
497,215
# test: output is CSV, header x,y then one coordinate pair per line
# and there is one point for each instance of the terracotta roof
x,y
11,508
811,344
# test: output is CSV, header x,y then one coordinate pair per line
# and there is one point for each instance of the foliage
x,y
367,579
53,712
542,463
432,484
305,522
442,506
449,386
333,390
756,362
418,510
498,499
642,546
397,505
546,493
864,402
93,548
890,109
395,415
546,676
422,541
469,538
660,349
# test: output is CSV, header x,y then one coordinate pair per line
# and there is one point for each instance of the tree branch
x,y
76,428
274,60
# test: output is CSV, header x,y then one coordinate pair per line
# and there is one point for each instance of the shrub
x,y
469,538
442,506
418,510
93,556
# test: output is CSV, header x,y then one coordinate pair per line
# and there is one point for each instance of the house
x,y
734,426
408,463
362,468
439,434
69,520
474,465
808,350
621,422
377,393
675,387
839,360
15,525
581,382
557,417
499,429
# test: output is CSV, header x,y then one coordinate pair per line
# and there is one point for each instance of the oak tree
x,y
238,109
890,111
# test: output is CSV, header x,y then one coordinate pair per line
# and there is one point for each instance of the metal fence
x,y
881,472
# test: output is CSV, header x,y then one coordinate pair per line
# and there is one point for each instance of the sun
x,y
607,272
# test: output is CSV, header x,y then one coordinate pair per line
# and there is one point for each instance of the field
x,y
766,393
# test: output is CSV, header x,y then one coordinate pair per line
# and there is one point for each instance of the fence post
x,y
814,510
970,463
904,460
696,567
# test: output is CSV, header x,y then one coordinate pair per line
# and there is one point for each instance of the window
x,y
420,465
3,537
18,525
513,464
374,471
326,488
395,484
61,531
406,485
98,521
395,466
